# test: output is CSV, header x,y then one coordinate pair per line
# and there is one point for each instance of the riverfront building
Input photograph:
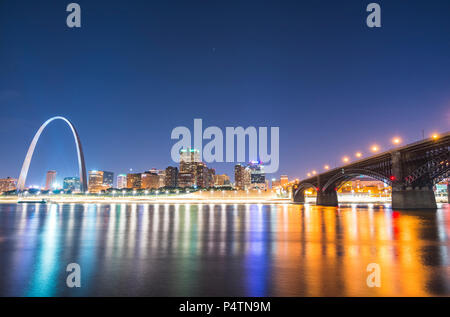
x,y
72,184
7,184
50,180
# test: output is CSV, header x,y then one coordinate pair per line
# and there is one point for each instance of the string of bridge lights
x,y
375,148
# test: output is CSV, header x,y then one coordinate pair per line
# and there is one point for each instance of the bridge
x,y
411,171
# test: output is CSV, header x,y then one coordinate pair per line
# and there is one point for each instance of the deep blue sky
x,y
137,69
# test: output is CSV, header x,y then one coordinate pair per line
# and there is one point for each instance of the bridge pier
x,y
300,197
417,198
327,199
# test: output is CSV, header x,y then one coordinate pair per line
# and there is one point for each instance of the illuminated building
x,y
108,179
221,180
188,159
7,184
171,177
211,174
121,181
276,183
242,177
185,179
193,172
202,177
50,180
284,180
72,184
257,175
150,180
95,181
161,176
134,180
100,180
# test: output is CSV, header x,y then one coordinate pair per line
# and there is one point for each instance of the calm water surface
x,y
222,250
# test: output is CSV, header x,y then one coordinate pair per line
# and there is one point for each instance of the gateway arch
x,y
26,163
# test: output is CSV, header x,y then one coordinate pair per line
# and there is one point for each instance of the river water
x,y
223,250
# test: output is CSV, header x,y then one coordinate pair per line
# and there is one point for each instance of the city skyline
x,y
292,72
217,156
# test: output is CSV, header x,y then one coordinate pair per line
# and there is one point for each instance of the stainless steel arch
x,y
26,163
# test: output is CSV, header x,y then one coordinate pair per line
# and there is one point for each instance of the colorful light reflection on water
x,y
222,250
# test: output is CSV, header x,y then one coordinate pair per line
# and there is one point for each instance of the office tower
x,y
72,184
95,181
188,159
7,184
134,180
221,180
50,180
257,175
284,180
212,174
161,175
192,172
108,179
121,181
149,180
100,180
202,176
185,179
275,183
171,177
242,177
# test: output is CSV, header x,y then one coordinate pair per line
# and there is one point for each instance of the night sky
x,y
137,69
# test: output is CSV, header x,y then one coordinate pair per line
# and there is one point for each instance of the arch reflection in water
x,y
230,250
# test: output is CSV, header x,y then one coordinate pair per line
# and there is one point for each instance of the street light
x,y
435,136
396,140
375,148
345,159
358,154
327,167
309,174
314,172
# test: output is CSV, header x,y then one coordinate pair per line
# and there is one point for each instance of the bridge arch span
x,y
299,192
347,174
27,161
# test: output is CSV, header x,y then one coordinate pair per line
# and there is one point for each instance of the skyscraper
x,y
100,180
188,159
108,179
121,181
192,169
50,180
171,177
202,176
257,175
95,181
242,177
